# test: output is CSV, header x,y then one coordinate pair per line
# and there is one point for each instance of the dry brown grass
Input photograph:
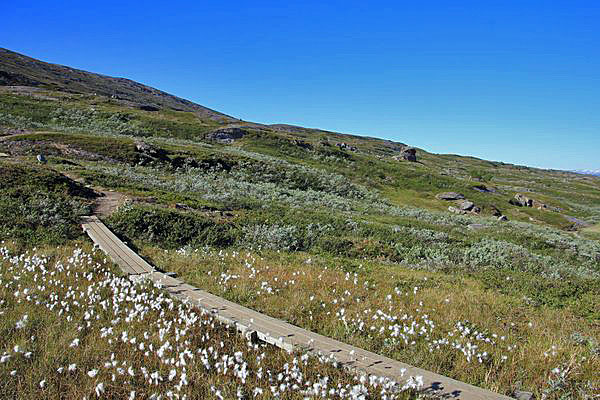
x,y
538,340
75,296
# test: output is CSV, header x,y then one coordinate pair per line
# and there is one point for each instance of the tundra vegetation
x,y
351,240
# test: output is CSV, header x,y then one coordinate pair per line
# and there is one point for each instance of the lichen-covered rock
x,y
226,134
521,200
466,205
450,196
409,154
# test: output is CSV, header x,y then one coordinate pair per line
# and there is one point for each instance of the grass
x,y
39,205
265,221
412,316
71,327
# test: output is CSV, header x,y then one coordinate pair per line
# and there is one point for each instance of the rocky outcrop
x,y
466,205
520,200
462,205
346,146
226,135
409,154
450,196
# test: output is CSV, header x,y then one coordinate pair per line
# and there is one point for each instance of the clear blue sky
x,y
517,81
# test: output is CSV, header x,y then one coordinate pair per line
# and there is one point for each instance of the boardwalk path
x,y
274,331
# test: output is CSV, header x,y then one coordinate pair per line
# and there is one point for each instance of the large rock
x,y
466,205
226,134
450,196
521,200
406,154
409,154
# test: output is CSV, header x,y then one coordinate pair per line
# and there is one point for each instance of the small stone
x,y
521,395
521,201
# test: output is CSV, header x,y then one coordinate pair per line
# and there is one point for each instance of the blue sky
x,y
516,81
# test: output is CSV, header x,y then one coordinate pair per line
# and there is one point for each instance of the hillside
x,y
19,70
484,271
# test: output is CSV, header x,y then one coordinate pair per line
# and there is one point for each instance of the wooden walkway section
x,y
274,331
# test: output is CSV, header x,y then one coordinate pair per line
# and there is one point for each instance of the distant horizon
x,y
503,81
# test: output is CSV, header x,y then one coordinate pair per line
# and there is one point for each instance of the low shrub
x,y
171,229
39,205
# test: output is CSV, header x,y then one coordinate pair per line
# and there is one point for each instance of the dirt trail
x,y
108,202
13,135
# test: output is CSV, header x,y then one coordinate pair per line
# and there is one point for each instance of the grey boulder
x,y
466,205
450,196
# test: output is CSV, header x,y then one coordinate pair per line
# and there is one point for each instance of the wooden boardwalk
x,y
274,331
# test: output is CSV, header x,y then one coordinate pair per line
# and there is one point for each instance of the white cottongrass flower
x,y
99,389
92,373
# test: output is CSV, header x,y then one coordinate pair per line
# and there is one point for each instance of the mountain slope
x,y
19,70
346,232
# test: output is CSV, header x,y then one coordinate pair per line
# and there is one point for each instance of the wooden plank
x,y
276,332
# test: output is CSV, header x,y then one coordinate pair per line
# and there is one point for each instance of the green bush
x,y
171,229
39,205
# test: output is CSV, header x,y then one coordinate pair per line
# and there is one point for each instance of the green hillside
x,y
322,229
